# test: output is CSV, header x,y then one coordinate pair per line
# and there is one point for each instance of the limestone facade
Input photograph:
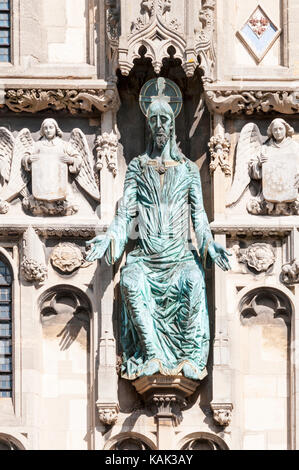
x,y
83,63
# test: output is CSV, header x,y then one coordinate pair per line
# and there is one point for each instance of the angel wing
x,y
6,151
18,178
249,145
86,177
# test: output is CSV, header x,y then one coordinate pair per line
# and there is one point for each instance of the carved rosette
x,y
219,149
67,257
106,148
259,256
74,101
222,413
33,264
108,413
250,102
290,272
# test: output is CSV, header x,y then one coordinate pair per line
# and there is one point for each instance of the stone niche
x,y
66,371
265,365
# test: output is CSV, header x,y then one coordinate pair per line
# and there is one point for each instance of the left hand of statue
x,y
297,181
219,255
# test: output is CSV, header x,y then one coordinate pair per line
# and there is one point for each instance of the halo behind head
x,y
161,89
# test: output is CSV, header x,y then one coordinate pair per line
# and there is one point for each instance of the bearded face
x,y
160,124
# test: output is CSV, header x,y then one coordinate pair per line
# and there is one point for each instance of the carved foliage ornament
x,y
259,256
34,262
219,149
106,148
108,413
250,102
222,413
73,101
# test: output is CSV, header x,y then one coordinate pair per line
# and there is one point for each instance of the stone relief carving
x,y
264,306
259,256
219,149
48,164
113,17
205,43
250,102
106,148
33,264
149,10
108,413
290,272
222,413
67,257
158,27
155,29
73,101
273,164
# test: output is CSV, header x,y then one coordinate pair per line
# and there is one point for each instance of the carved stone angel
x,y
273,164
50,162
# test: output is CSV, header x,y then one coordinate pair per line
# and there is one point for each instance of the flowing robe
x,y
165,325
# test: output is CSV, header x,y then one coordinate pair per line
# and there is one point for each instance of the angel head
x,y
50,129
279,129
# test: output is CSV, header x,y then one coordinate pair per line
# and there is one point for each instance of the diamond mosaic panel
x,y
259,34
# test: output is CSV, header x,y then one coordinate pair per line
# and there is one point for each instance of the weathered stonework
x,y
74,61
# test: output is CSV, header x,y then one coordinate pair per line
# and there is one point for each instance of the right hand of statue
x,y
33,158
263,157
100,245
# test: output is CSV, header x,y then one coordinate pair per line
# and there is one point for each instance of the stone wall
x,y
83,63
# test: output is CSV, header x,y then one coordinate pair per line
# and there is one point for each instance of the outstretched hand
x,y
219,255
100,245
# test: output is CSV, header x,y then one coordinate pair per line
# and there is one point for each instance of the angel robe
x,y
165,325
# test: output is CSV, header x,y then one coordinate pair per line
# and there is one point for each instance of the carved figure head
x,y
161,122
50,129
279,129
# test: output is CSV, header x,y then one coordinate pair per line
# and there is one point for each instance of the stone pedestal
x,y
167,396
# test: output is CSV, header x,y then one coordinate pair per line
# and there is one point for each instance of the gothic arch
x,y
266,318
202,441
142,442
12,442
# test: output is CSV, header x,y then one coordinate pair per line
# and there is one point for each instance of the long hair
x,y
162,105
289,129
58,130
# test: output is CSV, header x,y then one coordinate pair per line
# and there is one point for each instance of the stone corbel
x,y
107,401
222,413
108,412
33,264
